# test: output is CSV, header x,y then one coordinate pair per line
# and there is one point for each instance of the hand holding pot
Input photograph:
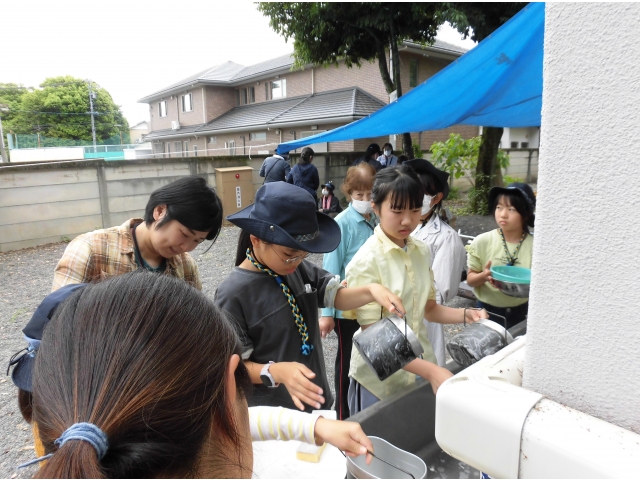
x,y
387,299
473,315
295,378
346,436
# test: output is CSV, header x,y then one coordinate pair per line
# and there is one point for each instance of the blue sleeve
x,y
334,262
287,169
291,174
262,172
316,179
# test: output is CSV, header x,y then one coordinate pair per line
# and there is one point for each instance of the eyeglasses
x,y
291,260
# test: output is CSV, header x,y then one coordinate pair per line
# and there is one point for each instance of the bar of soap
x,y
309,453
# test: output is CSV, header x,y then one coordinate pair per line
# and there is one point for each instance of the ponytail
x,y
305,156
244,242
143,358
75,459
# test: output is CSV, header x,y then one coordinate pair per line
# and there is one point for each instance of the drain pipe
x,y
486,419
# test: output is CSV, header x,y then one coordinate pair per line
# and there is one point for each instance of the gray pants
x,y
359,397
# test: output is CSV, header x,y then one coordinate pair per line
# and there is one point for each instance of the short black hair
x,y
390,146
401,185
432,186
402,159
191,201
518,202
371,149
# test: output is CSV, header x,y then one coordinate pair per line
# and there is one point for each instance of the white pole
x,y
93,125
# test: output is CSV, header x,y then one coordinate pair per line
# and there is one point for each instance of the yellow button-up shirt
x,y
408,274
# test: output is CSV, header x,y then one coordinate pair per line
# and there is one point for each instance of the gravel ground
x,y
25,279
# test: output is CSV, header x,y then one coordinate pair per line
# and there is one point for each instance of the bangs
x,y
401,186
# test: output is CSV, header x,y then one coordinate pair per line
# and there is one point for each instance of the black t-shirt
x,y
255,303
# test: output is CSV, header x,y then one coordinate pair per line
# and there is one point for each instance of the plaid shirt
x,y
109,252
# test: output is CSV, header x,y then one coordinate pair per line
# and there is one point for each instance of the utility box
x,y
235,188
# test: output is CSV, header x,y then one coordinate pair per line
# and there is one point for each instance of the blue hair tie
x,y
87,432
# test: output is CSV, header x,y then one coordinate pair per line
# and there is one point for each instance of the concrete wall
x,y
582,345
47,203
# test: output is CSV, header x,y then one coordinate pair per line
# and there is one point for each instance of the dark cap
x,y
285,214
329,185
425,167
23,364
522,189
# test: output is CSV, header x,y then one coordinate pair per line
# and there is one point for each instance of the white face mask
x,y
362,206
387,153
325,192
426,204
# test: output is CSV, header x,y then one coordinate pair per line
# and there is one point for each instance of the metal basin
x,y
519,290
358,468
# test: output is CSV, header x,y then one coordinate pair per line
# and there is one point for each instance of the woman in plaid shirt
x,y
178,217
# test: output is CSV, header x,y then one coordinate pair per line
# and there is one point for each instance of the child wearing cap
x,y
510,244
273,296
329,203
448,257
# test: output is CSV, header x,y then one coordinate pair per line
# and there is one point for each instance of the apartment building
x,y
231,109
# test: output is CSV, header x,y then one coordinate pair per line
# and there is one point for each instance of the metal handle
x,y
505,325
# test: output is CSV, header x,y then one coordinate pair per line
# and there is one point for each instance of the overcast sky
x,y
133,48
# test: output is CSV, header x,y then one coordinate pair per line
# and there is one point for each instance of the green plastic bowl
x,y
506,273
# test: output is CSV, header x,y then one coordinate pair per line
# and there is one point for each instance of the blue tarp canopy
x,y
496,84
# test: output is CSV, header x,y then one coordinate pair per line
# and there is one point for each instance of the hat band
x,y
307,237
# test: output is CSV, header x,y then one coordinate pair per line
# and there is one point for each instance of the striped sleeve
x,y
278,423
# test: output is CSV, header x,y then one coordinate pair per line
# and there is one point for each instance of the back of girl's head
x,y
144,358
191,201
306,154
360,177
400,185
518,202
371,150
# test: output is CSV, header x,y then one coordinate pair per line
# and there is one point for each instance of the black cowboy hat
x,y
285,214
22,372
426,167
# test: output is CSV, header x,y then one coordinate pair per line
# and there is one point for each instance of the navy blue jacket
x,y
305,175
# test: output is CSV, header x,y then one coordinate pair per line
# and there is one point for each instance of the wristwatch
x,y
266,377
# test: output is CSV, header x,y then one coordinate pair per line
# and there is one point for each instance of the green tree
x,y
459,157
326,33
479,20
60,108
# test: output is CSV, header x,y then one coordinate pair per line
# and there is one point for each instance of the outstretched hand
x,y
388,299
346,436
296,378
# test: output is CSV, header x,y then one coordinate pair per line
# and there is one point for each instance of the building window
x,y
524,144
514,144
178,148
212,140
258,136
162,108
187,105
241,96
252,94
266,90
231,146
158,149
413,73
279,88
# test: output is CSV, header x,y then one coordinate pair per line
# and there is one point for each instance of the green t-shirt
x,y
488,246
